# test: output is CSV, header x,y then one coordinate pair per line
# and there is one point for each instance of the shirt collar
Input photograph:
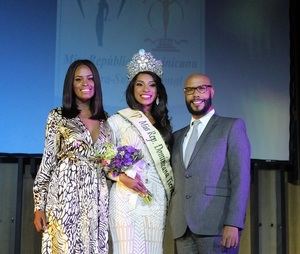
x,y
204,119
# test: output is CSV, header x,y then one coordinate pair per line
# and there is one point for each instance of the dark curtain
x,y
294,174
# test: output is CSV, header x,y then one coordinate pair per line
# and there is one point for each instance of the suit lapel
x,y
180,144
210,126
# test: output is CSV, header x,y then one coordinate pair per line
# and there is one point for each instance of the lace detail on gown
x,y
136,227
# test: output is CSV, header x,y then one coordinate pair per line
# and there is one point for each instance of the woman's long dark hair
x,y
159,112
69,105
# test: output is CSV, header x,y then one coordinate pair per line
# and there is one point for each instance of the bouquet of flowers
x,y
117,160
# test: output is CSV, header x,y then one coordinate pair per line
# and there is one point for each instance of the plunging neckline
x,y
86,129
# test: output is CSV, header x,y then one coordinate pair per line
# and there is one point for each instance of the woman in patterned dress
x,y
70,189
137,227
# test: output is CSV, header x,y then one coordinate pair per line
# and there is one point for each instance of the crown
x,y
143,61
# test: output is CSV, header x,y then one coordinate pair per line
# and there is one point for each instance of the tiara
x,y
143,61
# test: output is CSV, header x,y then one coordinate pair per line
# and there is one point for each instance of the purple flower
x,y
126,156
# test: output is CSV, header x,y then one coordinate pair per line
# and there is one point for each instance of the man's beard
x,y
203,111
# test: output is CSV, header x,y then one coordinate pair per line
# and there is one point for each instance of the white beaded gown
x,y
72,189
136,227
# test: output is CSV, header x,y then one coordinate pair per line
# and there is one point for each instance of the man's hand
x,y
230,237
40,221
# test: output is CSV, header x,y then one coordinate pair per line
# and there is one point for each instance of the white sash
x,y
155,144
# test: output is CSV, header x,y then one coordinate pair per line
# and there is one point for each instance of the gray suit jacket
x,y
213,190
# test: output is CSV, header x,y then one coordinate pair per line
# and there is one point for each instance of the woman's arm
x,y
41,182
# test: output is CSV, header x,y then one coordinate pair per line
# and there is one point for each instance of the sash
x,y
155,145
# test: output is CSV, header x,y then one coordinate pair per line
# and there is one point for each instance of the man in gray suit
x,y
212,176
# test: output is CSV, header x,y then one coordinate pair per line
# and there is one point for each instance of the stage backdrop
x,y
243,46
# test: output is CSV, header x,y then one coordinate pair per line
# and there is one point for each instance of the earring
x,y
157,100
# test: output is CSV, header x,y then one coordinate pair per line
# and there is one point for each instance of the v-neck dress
x,y
71,188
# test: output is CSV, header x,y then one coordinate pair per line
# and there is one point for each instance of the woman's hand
x,y
135,184
40,221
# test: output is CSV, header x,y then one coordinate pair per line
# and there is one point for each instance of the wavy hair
x,y
159,111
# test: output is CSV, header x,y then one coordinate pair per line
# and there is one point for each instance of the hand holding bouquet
x,y
117,160
125,157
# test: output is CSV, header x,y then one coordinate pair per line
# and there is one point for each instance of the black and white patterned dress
x,y
71,187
